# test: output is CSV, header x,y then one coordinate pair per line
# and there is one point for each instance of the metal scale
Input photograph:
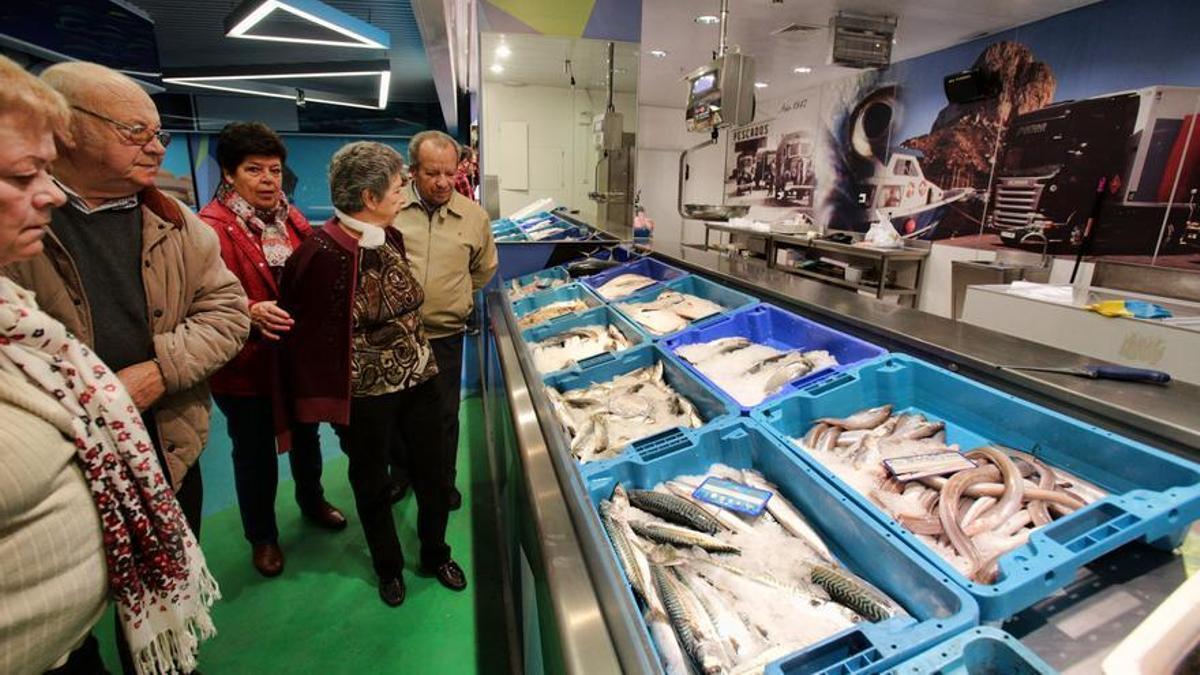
x,y
720,95
614,167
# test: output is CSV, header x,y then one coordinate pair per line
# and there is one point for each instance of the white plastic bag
x,y
882,234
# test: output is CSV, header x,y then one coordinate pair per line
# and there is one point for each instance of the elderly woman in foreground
x,y
86,512
357,357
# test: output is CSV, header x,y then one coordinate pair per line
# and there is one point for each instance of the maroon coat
x,y
250,372
317,289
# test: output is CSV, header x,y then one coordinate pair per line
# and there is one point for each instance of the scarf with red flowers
x,y
156,573
269,227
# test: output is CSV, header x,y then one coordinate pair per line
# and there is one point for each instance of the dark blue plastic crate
x,y
647,267
711,406
598,316
1154,496
938,609
774,327
979,651
573,291
700,287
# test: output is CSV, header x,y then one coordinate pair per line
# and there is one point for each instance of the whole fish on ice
x,y
551,311
750,372
517,290
576,344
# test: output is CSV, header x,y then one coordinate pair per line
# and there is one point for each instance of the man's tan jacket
x,y
196,306
452,254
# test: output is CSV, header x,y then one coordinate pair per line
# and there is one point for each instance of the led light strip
x,y
241,28
203,82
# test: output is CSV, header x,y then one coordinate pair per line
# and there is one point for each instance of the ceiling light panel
x,y
256,81
350,31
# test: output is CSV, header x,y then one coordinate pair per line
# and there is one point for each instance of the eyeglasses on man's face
x,y
134,134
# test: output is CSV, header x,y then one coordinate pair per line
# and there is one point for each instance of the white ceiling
x,y
924,26
539,60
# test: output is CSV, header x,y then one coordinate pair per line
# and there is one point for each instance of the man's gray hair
x,y
437,137
358,166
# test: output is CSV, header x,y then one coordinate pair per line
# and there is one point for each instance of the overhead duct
x,y
860,41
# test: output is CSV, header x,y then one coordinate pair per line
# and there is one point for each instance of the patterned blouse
x,y
390,352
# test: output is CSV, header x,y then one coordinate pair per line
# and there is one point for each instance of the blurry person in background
x,y
85,512
452,253
135,275
465,179
356,356
258,231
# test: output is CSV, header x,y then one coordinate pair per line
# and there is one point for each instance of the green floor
x,y
322,615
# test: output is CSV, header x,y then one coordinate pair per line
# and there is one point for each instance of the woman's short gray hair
x,y
358,166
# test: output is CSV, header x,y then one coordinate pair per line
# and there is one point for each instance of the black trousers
x,y
448,352
375,424
256,463
85,660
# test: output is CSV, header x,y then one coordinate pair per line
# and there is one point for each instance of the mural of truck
x,y
1145,145
794,178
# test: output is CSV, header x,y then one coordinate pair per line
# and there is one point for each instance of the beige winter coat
x,y
196,306
452,255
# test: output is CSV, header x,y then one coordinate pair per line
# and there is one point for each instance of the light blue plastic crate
x,y
1153,495
937,609
774,327
550,273
599,316
533,218
647,267
700,287
979,651
711,406
572,291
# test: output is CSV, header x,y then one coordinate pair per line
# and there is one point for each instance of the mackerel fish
x,y
674,509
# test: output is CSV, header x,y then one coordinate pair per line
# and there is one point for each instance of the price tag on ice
x,y
923,466
733,496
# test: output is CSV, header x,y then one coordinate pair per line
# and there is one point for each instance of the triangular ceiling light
x,y
305,21
279,81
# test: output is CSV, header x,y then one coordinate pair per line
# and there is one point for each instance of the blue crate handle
x,y
829,384
1096,529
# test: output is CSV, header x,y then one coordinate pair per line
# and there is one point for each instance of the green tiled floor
x,y
322,615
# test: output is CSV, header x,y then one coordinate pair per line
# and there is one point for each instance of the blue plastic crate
x,y
599,316
700,287
711,406
533,218
557,272
647,267
1153,496
979,651
774,327
573,291
937,608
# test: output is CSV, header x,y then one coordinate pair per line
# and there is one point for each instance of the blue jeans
x,y
251,427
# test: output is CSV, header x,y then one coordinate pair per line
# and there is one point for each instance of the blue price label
x,y
733,496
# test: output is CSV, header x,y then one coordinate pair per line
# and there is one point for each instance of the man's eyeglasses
x,y
134,134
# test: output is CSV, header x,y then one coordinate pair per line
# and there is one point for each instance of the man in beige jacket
x,y
449,243
133,273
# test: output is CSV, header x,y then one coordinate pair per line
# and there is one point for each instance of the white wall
x,y
561,157
662,136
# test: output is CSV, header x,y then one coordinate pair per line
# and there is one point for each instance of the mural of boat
x,y
900,191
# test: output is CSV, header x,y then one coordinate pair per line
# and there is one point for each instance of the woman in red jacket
x,y
259,230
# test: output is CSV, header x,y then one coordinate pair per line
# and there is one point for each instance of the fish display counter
x,y
799,480
544,240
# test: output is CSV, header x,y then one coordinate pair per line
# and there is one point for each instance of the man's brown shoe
x,y
268,559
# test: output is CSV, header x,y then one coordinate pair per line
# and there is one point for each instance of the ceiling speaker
x,y
861,41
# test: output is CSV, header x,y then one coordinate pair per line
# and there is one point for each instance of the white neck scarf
x,y
373,236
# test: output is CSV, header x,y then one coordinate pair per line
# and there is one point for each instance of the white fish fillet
x,y
623,285
671,311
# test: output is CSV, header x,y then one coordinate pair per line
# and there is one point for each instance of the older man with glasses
x,y
133,273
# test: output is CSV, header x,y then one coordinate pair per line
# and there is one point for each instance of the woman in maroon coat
x,y
259,230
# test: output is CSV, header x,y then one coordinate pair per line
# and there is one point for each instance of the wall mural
x,y
1076,129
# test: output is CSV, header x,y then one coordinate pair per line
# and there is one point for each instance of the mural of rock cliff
x,y
962,143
